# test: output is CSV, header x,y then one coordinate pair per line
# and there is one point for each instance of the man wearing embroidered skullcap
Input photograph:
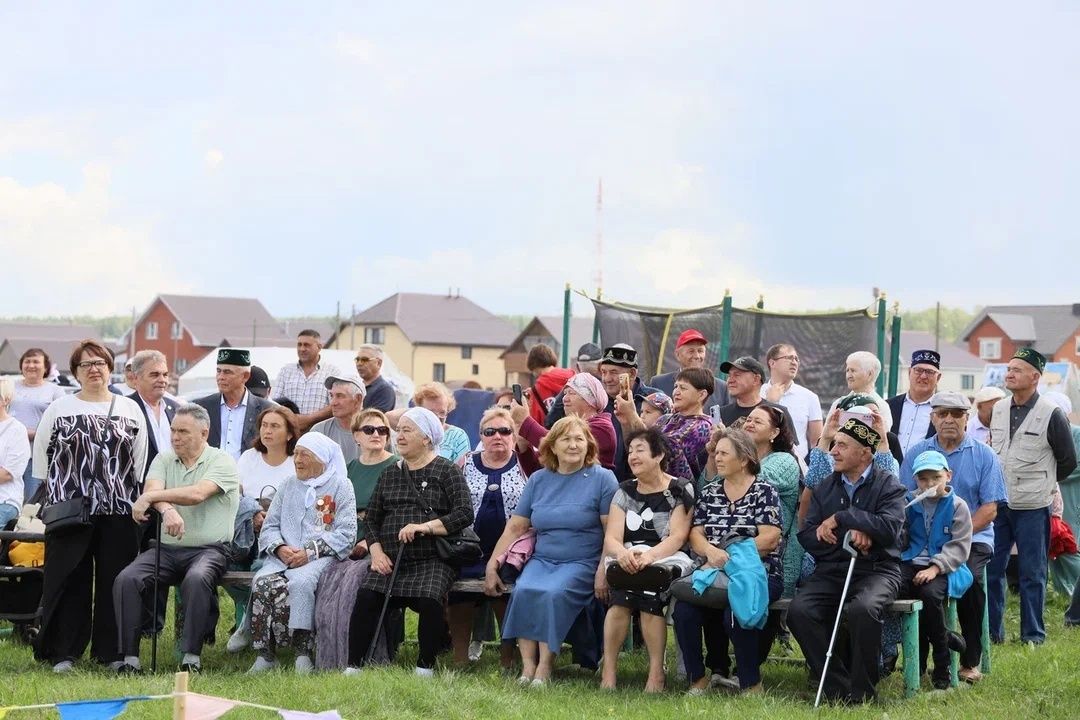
x,y
868,502
911,410
690,352
233,408
618,360
1033,439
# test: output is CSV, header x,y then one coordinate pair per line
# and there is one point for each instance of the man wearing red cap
x,y
690,353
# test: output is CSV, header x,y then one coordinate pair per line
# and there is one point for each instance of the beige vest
x,y
1030,467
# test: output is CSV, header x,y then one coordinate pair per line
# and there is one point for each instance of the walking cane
x,y
839,614
154,619
385,605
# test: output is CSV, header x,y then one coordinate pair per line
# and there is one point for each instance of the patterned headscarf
x,y
661,402
590,389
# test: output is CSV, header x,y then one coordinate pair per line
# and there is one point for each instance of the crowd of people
x,y
593,499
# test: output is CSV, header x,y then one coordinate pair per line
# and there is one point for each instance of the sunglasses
x,y
363,359
371,430
950,412
491,432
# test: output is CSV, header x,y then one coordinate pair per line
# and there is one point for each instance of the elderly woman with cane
x,y
310,525
399,526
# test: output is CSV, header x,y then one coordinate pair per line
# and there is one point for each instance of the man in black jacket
x,y
869,503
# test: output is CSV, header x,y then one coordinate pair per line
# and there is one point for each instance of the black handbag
x,y
459,549
73,513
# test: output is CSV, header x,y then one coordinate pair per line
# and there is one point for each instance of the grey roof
x,y
953,357
46,331
439,320
325,328
581,330
215,321
1050,325
59,351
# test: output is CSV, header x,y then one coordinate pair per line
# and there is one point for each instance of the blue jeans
x,y
1072,615
10,512
30,483
1030,531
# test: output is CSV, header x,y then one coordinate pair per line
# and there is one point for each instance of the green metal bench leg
x,y
952,622
986,645
909,626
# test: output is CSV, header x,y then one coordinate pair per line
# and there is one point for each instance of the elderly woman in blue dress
x,y
311,524
567,502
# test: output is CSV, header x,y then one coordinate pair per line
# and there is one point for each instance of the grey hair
x,y
353,388
867,361
373,349
196,412
144,357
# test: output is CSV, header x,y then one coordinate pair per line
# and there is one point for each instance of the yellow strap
x,y
663,344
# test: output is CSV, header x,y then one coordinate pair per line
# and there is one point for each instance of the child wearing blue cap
x,y
936,547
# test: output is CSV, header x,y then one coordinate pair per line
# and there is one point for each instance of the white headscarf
x,y
427,422
329,454
1060,399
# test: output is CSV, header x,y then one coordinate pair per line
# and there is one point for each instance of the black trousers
x,y
430,633
853,670
197,570
76,598
932,630
970,607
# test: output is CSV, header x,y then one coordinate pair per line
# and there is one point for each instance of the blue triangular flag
x,y
93,709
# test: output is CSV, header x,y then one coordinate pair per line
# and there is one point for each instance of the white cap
x,y
989,393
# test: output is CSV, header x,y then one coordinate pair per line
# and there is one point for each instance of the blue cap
x,y
930,460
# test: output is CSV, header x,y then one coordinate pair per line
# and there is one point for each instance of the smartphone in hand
x,y
518,397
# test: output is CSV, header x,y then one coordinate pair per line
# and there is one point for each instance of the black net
x,y
823,340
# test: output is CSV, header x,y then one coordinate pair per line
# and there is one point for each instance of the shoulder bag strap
x,y
416,493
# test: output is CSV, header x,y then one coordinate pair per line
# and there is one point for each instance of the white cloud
x,y
66,252
355,48
213,159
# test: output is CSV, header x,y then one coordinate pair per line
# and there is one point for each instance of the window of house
x,y
181,365
438,372
177,332
466,352
151,331
475,369
375,335
967,382
989,348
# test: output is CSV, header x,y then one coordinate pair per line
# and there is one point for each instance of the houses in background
x,y
56,340
960,370
996,332
447,338
546,330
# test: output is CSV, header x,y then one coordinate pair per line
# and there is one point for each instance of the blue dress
x,y
557,582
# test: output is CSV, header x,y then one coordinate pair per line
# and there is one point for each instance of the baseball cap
x,y
258,379
690,336
930,460
746,363
334,380
589,353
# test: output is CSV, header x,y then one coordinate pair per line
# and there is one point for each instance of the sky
x,y
316,154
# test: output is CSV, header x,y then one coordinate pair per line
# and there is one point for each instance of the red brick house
x,y
997,331
188,327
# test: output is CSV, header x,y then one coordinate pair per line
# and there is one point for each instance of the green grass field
x,y
1025,684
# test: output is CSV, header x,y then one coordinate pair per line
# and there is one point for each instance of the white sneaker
x,y
351,671
303,665
64,666
238,640
262,665
476,649
424,672
727,683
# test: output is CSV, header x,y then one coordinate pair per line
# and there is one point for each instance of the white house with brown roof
x,y
447,338
188,327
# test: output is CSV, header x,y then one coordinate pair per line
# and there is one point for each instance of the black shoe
x,y
888,664
128,669
941,680
956,642
192,668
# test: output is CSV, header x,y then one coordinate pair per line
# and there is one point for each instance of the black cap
x,y
234,356
620,354
589,353
259,382
747,363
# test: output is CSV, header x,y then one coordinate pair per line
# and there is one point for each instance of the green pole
x,y
566,327
881,310
596,320
894,355
725,333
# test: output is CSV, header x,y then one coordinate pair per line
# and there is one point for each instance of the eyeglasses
x,y
363,359
792,358
924,372
951,412
96,364
372,429
491,432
